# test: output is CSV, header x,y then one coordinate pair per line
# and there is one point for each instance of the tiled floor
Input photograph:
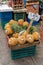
x,y
5,58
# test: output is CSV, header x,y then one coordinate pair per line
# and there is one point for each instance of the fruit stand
x,y
22,37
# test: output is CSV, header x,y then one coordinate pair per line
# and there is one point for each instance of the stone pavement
x,y
5,58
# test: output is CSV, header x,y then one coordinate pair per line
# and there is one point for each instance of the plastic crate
x,y
20,15
5,18
24,52
32,7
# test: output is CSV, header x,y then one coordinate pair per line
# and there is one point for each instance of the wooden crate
x,y
16,47
32,7
17,4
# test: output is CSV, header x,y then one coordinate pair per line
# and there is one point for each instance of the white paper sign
x,y
33,16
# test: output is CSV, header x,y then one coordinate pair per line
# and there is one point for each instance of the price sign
x,y
33,16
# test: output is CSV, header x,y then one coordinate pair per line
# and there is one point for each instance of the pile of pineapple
x,y
21,32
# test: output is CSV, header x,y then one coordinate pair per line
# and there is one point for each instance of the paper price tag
x,y
33,16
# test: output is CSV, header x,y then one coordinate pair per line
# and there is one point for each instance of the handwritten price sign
x,y
33,16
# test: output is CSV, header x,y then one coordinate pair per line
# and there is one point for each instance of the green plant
x,y
32,29
16,28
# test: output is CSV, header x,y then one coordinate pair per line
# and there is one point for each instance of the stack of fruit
x,y
21,32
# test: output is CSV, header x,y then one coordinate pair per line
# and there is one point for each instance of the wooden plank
x,y
32,3
16,47
20,10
